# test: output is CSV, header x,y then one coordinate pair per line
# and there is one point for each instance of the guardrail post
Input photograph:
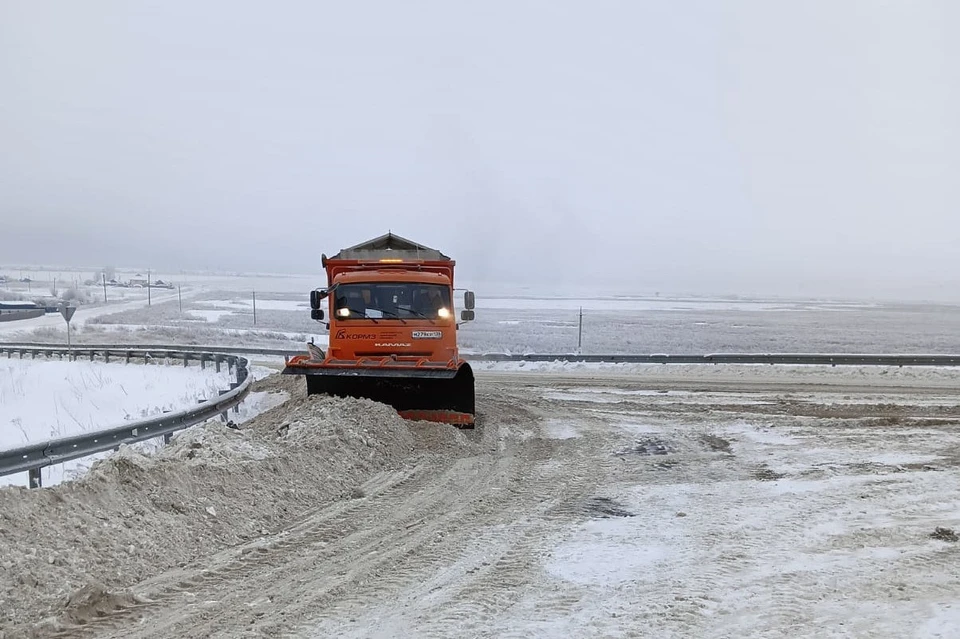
x,y
34,475
129,355
216,362
167,437
186,360
203,362
106,357
224,416
233,385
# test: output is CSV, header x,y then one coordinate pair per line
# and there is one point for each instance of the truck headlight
x,y
343,312
444,313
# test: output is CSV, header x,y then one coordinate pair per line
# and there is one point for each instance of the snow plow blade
x,y
438,395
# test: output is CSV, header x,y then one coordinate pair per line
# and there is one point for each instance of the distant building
x,y
138,280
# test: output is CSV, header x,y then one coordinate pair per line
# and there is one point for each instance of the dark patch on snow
x,y
765,474
716,444
605,508
944,534
648,446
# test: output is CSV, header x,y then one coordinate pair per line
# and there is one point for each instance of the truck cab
x,y
380,313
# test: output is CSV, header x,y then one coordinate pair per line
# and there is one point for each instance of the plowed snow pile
x,y
134,516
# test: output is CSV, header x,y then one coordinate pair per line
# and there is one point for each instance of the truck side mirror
x,y
469,300
467,316
316,314
316,298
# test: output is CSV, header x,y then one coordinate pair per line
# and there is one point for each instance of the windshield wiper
x,y
362,314
420,314
394,314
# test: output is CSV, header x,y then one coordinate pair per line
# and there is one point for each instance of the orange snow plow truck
x,y
393,332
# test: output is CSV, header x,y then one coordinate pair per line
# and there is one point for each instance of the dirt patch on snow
x,y
944,534
134,516
765,473
291,384
646,446
93,601
715,444
604,508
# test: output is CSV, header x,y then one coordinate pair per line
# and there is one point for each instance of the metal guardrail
x,y
84,349
820,359
816,359
33,457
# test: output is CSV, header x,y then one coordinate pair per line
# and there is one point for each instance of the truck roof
x,y
390,246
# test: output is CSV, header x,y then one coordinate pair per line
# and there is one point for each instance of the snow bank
x,y
134,515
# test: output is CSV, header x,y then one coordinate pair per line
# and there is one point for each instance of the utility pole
x,y
180,299
148,287
254,308
580,334
103,276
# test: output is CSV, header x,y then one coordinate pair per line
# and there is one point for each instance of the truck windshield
x,y
391,300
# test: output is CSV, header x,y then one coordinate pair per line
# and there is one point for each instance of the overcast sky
x,y
797,148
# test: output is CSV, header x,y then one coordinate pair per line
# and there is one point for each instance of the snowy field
x,y
220,309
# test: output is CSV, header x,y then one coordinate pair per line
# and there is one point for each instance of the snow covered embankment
x,y
46,399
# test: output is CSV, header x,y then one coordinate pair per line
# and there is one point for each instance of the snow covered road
x,y
615,508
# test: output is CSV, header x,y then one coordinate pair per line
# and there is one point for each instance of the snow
x,y
40,399
10,330
897,458
746,557
258,402
598,555
766,372
560,429
209,315
262,305
46,399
